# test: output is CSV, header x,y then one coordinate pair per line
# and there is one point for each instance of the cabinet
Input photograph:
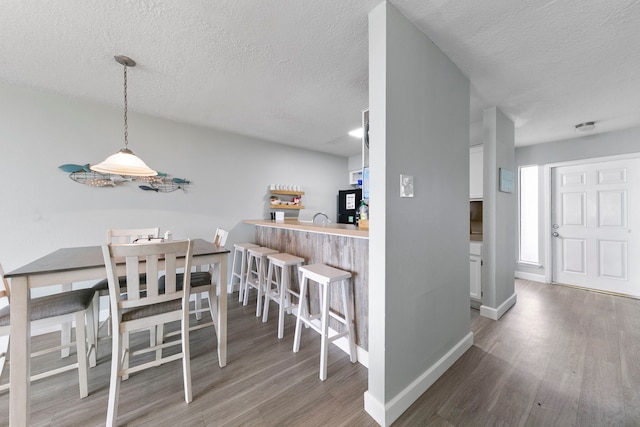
x,y
475,273
475,270
354,176
476,156
281,199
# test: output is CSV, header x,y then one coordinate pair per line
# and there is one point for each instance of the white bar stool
x,y
240,259
256,274
280,294
325,276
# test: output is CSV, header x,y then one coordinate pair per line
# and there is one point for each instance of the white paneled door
x,y
596,225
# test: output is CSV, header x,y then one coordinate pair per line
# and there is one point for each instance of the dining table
x,y
77,264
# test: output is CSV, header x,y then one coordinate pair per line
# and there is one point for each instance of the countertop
x,y
348,230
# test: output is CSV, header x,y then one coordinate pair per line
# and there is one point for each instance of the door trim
x,y
548,254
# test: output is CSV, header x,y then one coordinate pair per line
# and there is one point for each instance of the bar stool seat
x,y
239,266
256,274
326,277
281,293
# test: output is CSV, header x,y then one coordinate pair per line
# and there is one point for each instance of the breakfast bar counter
x,y
324,228
342,246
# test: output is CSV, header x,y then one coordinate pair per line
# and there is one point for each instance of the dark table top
x,y
69,259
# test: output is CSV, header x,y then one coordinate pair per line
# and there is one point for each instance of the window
x,y
529,253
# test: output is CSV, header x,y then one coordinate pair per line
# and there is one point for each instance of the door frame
x,y
548,246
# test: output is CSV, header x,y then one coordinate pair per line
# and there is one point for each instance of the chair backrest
x,y
128,235
5,292
151,258
221,237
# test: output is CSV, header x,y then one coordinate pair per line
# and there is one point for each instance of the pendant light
x,y
124,162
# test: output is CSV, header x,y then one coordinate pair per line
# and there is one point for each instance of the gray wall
x,y
499,212
589,146
44,210
419,247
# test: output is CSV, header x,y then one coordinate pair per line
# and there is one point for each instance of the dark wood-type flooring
x,y
559,357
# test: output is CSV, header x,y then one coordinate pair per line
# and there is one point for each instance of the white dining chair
x,y
202,283
201,280
124,235
145,309
61,308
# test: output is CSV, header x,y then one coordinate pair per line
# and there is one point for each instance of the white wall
x,y
585,147
499,215
419,247
43,210
355,162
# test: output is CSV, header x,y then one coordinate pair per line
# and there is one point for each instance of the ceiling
x,y
296,71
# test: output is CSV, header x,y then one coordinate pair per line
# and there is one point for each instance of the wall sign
x,y
506,181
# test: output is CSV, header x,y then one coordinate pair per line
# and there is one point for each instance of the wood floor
x,y
559,357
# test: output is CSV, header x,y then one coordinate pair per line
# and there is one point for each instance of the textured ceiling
x,y
295,71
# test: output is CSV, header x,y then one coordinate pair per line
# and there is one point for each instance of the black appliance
x,y
348,204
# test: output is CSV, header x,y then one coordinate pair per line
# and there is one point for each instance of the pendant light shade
x,y
124,162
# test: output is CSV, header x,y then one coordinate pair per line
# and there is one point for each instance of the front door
x,y
596,225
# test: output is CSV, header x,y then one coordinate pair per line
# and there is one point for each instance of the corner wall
x,y
499,216
419,247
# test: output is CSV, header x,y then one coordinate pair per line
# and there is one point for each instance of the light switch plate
x,y
406,185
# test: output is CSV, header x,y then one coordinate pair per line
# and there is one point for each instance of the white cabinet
x,y
475,172
475,270
354,176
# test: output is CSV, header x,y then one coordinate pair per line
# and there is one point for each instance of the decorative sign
x,y
351,201
506,181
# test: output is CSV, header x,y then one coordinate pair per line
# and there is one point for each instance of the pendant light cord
x,y
126,126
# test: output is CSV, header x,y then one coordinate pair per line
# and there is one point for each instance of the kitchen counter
x,y
348,230
341,246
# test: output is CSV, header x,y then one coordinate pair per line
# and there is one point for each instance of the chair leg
x,y
282,295
3,354
96,320
324,341
159,329
125,349
65,330
198,306
186,355
92,340
261,286
233,274
245,285
114,384
267,293
213,305
301,308
81,352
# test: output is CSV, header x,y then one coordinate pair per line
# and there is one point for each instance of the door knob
x,y
555,234
556,226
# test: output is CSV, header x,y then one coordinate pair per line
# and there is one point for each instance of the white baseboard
x,y
497,313
530,276
387,414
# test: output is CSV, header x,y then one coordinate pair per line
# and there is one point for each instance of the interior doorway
x,y
595,225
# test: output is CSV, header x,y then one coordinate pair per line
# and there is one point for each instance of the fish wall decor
x,y
162,183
